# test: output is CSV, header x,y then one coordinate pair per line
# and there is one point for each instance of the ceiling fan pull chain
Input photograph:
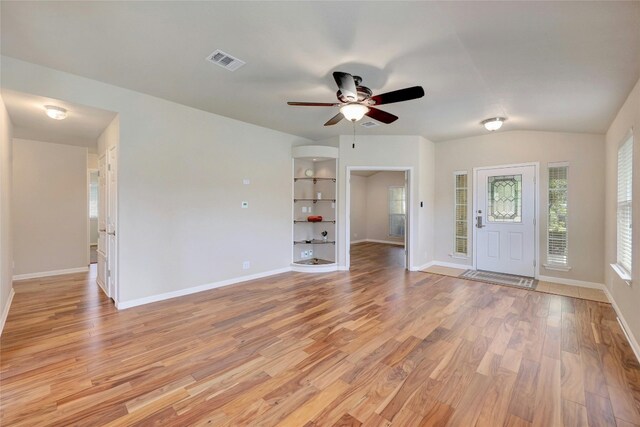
x,y
354,135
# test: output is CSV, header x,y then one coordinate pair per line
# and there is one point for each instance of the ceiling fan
x,y
357,101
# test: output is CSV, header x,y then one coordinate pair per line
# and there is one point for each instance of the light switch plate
x,y
246,181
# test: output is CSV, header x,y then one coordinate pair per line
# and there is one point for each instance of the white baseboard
x,y
5,310
121,305
50,273
572,282
623,323
445,264
353,242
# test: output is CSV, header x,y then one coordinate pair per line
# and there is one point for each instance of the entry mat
x,y
501,279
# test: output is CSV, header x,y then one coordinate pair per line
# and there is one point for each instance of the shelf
x,y
313,242
299,221
314,179
314,261
314,200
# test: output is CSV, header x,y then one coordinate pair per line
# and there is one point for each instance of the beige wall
x,y
180,186
6,251
358,229
584,152
392,151
627,298
49,207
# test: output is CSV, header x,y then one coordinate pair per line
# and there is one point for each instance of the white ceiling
x,y
82,127
555,66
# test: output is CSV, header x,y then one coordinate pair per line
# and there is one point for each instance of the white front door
x,y
504,220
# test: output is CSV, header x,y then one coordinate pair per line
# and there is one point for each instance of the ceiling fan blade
x,y
347,85
399,95
313,104
381,116
335,119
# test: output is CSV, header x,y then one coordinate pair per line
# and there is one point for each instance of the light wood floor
x,y
376,346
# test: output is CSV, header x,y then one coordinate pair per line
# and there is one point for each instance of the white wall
x,y
358,224
49,207
584,152
627,298
6,250
379,151
180,224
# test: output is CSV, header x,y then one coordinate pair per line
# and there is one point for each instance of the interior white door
x,y
505,220
102,223
112,212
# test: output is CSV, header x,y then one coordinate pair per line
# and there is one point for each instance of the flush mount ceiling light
x,y
493,123
354,112
56,113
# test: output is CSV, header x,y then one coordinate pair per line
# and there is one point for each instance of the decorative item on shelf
x,y
324,235
307,241
308,173
314,218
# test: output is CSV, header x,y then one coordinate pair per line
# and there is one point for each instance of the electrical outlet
x,y
246,265
304,209
309,209
246,181
302,254
310,252
245,205
306,254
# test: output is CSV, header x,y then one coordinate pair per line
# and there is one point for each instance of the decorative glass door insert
x,y
504,198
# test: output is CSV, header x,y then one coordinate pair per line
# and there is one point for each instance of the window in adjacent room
x,y
397,211
557,227
623,264
93,195
460,214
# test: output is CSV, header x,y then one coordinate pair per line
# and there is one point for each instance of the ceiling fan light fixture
x,y
354,112
493,123
56,113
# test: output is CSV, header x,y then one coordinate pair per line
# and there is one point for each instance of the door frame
x,y
536,214
408,170
89,172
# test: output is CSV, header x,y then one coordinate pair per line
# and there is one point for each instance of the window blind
x,y
397,211
624,211
557,230
93,199
460,214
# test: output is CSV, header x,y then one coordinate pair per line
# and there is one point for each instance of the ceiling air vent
x,y
225,60
369,124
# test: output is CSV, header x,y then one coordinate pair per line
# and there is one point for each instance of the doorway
x,y
378,214
505,219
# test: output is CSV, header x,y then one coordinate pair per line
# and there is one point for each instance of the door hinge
x,y
534,262
534,221
109,166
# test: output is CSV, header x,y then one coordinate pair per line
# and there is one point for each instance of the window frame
x,y
456,254
390,215
553,265
624,271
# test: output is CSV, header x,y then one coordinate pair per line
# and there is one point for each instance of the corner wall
x,y
6,248
626,298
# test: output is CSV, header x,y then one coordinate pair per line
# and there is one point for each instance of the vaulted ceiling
x,y
549,66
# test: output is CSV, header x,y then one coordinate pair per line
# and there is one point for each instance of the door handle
x,y
111,233
102,230
479,222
